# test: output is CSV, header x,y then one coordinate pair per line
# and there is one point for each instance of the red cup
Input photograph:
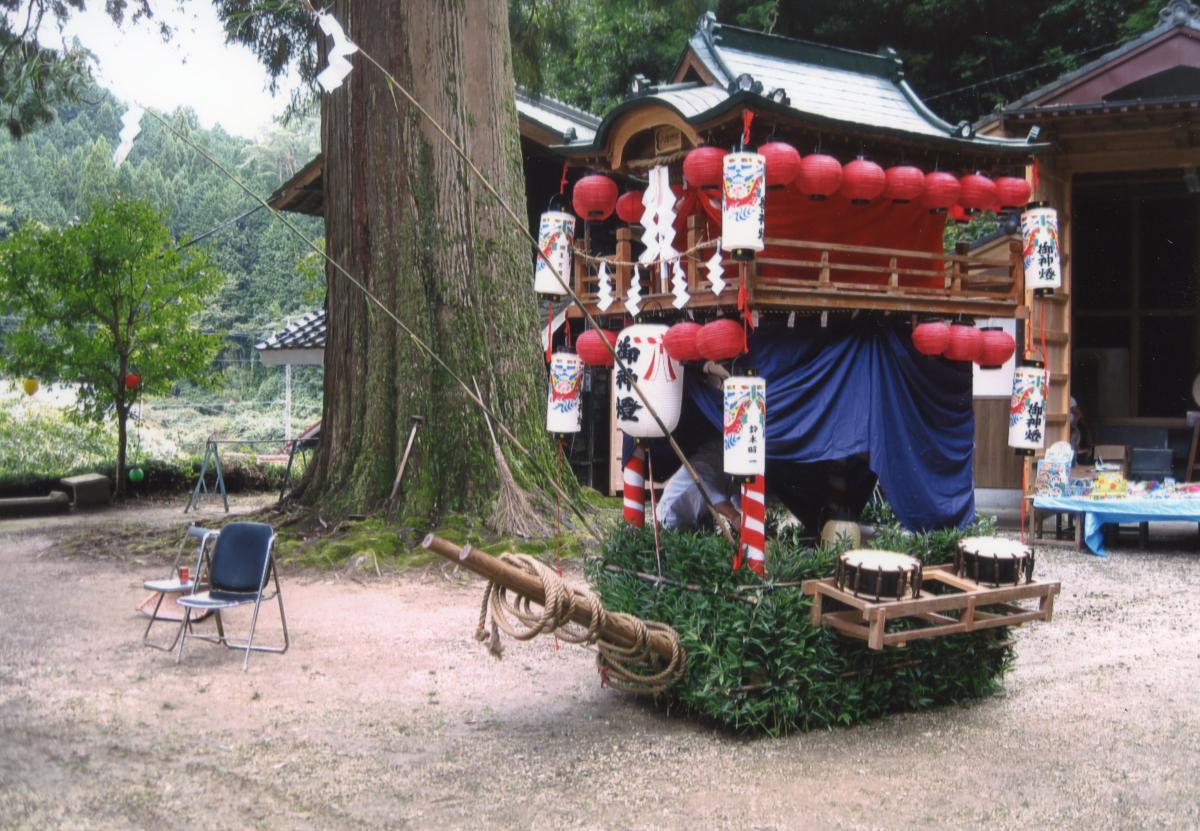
x,y
183,574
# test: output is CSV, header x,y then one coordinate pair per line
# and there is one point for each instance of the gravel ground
x,y
385,712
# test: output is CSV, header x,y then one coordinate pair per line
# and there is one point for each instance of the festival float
x,y
756,255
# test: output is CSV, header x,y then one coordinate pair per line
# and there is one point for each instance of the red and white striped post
x,y
635,488
752,542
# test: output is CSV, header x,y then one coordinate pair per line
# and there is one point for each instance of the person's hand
x,y
727,510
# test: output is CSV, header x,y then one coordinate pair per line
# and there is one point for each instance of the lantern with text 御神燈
x,y
681,341
931,338
591,348
1012,193
594,197
783,163
905,183
941,192
745,425
743,204
30,386
819,176
720,340
132,381
1027,410
630,207
704,167
862,181
1039,232
976,193
556,235
564,412
964,343
996,347
658,376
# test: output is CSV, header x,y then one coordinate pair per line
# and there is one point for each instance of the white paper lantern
x,y
745,406
556,235
742,204
563,411
1039,229
658,376
1027,419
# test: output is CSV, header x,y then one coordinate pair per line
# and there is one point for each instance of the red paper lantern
x,y
941,192
976,193
680,341
720,340
905,183
594,197
996,347
591,350
958,214
931,338
862,181
964,343
819,177
1012,193
782,162
704,167
132,380
630,207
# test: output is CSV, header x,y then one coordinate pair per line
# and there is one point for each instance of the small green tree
x,y
101,299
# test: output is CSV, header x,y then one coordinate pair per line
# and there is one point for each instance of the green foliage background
x,y
761,667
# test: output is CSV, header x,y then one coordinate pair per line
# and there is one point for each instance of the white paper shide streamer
x,y
743,204
340,48
679,286
1039,231
556,235
131,125
1027,419
745,407
715,271
660,378
633,298
564,413
604,287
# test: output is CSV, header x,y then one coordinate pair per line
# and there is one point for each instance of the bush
x,y
44,443
761,667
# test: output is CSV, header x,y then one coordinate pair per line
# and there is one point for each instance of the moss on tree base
x,y
755,662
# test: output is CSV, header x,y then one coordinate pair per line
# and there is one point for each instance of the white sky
x,y
224,84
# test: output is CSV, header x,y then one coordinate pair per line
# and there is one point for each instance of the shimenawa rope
x,y
632,669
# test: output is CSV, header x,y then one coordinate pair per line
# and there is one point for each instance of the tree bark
x,y
404,215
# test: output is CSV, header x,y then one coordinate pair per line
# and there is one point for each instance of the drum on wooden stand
x,y
991,561
878,575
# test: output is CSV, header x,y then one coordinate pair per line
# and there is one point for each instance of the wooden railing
x,y
803,274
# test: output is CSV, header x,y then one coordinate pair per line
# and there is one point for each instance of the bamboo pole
x,y
617,629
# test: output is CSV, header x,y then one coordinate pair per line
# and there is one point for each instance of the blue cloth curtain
x,y
859,386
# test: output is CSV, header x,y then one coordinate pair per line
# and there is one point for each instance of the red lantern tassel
x,y
549,331
747,118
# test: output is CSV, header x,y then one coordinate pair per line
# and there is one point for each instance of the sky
x,y
224,84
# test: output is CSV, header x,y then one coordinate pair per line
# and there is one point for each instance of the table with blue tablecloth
x,y
1100,512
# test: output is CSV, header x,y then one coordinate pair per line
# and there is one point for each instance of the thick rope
x,y
632,669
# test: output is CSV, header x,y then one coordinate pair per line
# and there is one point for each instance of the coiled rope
x,y
634,668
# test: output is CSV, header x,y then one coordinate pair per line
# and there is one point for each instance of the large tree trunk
x,y
404,215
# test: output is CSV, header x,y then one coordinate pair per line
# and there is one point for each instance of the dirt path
x,y
387,713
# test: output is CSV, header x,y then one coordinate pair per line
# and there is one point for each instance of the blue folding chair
x,y
241,566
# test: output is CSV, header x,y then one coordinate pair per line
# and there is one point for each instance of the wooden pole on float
x,y
617,629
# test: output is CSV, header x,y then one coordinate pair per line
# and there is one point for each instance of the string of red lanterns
x,y
819,176
989,346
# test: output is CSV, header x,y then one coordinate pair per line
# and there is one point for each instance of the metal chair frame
x,y
207,603
171,584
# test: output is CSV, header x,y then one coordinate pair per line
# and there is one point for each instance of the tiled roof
x,y
306,333
825,84
573,124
